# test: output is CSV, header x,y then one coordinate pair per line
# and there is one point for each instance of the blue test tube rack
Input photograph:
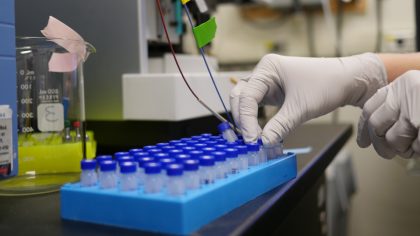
x,y
174,215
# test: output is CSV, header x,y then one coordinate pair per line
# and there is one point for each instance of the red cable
x,y
172,48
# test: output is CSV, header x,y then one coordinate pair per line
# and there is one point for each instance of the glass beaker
x,y
52,137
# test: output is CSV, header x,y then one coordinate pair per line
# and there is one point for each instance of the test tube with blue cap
x,y
88,176
191,172
128,177
232,159
108,176
221,165
154,179
227,133
141,174
175,184
242,156
253,154
207,170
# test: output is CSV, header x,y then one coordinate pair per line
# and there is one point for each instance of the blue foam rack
x,y
174,215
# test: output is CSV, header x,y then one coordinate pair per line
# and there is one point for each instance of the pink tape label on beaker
x,y
62,62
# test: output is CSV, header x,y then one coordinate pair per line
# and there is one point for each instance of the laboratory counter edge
x,y
265,215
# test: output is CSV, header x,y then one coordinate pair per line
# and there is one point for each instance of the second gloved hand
x,y
391,118
304,88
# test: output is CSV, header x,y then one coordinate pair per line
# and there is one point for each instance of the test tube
x,y
262,153
227,133
232,160
108,176
273,151
88,176
141,174
175,184
153,181
191,174
128,178
242,157
253,154
221,166
207,171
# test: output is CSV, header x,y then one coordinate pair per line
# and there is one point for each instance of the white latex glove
x,y
391,118
304,88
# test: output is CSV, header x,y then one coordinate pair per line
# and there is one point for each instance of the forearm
x,y
398,64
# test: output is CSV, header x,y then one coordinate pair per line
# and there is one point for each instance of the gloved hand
x,y
304,88
391,118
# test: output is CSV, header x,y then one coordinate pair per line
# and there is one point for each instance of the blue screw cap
x,y
206,160
253,147
188,149
119,154
152,168
168,148
166,161
221,147
223,127
191,165
154,150
102,158
219,156
128,167
173,142
200,145
231,152
135,150
242,149
148,147
88,164
143,160
195,154
180,158
160,145
160,155
122,159
174,169
208,150
108,166
180,145
206,135
172,153
139,155
191,142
